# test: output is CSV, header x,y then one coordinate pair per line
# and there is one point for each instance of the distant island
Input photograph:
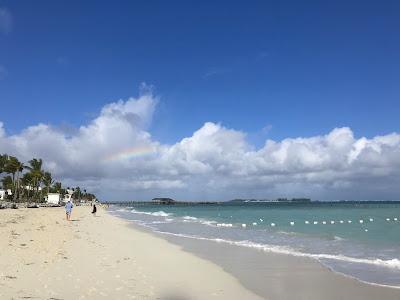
x,y
170,201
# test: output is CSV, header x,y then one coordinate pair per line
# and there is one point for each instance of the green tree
x,y
3,162
47,180
7,182
14,167
27,183
35,168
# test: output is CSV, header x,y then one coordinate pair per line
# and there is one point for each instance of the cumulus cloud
x,y
6,21
116,156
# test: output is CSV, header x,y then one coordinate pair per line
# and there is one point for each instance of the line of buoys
x,y
292,223
224,225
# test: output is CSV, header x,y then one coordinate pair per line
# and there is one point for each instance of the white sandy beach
x,y
45,257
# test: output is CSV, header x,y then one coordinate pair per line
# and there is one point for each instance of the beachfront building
x,y
2,194
53,198
5,193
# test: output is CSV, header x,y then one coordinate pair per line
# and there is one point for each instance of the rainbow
x,y
131,153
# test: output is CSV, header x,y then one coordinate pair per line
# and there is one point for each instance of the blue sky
x,y
301,68
223,78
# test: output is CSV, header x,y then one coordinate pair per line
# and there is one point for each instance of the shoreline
x,y
312,260
357,288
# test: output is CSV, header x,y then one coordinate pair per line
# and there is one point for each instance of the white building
x,y
53,198
5,193
2,194
30,188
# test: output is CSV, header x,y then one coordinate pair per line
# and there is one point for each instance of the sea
x,y
357,239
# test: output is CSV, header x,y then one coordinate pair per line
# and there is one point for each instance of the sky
x,y
206,100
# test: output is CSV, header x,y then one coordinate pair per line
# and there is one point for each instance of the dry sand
x,y
43,256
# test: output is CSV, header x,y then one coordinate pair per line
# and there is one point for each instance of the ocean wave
x,y
157,213
390,263
189,218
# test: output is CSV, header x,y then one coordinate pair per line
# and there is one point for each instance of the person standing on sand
x,y
68,209
94,210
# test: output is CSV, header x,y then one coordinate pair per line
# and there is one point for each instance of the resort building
x,y
2,194
53,198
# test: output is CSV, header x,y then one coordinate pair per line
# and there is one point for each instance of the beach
x,y
105,257
45,257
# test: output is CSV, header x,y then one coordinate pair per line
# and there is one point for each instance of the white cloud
x,y
116,156
6,21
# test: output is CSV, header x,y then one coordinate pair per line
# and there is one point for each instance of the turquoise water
x,y
359,240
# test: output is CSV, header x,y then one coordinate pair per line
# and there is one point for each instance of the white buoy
x,y
272,224
371,220
324,222
254,224
315,222
291,223
306,222
395,219
387,219
341,222
244,225
332,222
366,230
361,221
349,221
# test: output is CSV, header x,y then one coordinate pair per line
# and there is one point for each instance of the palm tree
x,y
13,166
3,162
35,168
20,167
57,187
27,183
47,180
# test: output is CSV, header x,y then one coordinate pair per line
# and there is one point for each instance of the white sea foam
x,y
390,263
157,213
208,223
189,218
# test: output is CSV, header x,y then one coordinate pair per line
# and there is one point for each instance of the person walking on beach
x,y
68,209
94,210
